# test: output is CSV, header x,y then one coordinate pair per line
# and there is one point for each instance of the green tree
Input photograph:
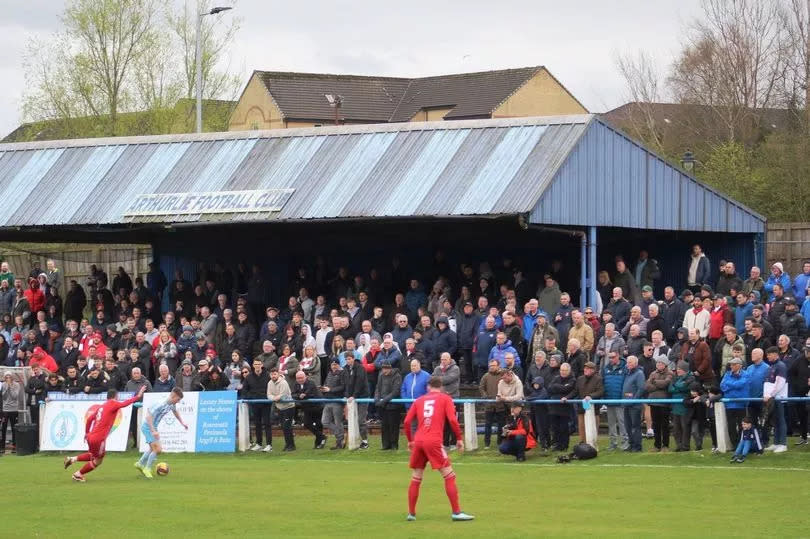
x,y
121,67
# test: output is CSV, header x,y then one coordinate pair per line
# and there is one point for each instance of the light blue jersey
x,y
157,411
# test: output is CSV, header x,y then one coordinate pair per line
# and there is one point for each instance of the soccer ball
x,y
162,468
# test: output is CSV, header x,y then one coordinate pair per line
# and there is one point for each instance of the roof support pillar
x,y
583,271
592,281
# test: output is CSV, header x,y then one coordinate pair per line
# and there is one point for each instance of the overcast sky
x,y
576,40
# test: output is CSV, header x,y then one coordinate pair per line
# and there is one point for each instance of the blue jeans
x,y
514,446
743,448
632,422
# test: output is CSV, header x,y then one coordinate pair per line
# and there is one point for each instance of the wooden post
x,y
243,430
470,427
592,427
354,425
721,428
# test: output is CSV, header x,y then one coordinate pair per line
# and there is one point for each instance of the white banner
x,y
64,425
173,437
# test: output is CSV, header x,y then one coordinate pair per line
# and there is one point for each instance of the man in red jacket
x,y
518,435
35,297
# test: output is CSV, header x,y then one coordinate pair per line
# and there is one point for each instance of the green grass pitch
x,y
326,493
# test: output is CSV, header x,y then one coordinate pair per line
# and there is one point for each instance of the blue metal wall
x,y
610,180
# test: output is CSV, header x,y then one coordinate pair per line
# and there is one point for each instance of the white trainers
x,y
268,448
780,449
771,447
254,447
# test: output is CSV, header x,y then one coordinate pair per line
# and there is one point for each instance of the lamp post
x,y
198,55
688,161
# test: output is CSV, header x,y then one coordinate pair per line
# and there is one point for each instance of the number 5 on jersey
x,y
427,411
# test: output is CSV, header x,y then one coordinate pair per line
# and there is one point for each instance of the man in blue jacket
x,y
633,388
756,372
743,310
735,385
777,276
699,269
501,348
802,283
484,342
414,385
613,375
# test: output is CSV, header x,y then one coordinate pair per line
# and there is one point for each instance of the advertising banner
x,y
211,420
64,426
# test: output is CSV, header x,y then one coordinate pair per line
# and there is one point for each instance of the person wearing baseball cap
x,y
389,384
518,436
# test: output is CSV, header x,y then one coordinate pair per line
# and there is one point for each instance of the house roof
x,y
393,99
554,169
680,113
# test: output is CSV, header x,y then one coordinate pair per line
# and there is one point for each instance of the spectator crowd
x,y
382,334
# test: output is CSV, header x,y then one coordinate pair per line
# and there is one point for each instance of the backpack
x,y
584,451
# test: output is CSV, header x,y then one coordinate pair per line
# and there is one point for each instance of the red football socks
x,y
87,468
84,457
452,491
413,494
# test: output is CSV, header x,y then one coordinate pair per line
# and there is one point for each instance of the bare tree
x,y
217,33
797,84
734,61
643,79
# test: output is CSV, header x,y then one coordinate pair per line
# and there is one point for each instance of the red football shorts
x,y
423,453
96,447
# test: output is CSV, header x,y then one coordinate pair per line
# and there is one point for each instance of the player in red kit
x,y
96,431
432,410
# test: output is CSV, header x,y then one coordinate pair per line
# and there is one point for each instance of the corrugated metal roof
x,y
610,180
580,171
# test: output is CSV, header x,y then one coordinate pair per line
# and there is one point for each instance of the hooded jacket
x,y
500,350
35,297
737,387
445,339
540,392
549,299
484,342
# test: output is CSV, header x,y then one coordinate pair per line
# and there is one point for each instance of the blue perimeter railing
x,y
595,402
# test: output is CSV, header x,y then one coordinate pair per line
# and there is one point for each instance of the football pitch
x,y
363,494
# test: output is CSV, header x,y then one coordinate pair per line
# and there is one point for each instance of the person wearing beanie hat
x,y
681,416
777,276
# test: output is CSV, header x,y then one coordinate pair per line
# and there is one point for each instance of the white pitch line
x,y
550,465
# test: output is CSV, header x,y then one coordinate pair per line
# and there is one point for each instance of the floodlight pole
x,y
198,56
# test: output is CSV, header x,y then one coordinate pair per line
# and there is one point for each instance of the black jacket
x,y
255,386
798,374
793,325
73,385
35,389
115,380
561,387
97,385
309,391
356,381
388,387
467,329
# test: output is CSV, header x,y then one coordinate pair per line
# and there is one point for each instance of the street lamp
x,y
200,16
688,161
335,101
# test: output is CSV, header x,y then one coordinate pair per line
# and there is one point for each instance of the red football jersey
x,y
98,426
432,410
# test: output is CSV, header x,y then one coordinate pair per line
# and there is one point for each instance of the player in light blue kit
x,y
149,428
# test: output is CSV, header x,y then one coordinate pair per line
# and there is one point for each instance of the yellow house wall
x,y
431,114
255,109
540,96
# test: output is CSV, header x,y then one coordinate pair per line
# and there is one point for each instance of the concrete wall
x,y
256,109
540,96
